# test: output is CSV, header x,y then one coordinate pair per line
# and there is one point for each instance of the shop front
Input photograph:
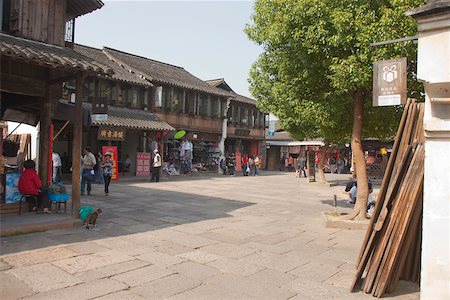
x,y
194,152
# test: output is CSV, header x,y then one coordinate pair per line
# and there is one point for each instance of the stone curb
x,y
337,222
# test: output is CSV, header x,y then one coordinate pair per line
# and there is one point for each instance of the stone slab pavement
x,y
215,237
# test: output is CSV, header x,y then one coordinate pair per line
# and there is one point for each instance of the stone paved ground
x,y
210,238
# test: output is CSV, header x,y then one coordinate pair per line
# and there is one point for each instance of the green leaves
x,y
317,54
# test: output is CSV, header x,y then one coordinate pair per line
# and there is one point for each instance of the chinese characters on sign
x,y
113,151
143,164
111,134
389,82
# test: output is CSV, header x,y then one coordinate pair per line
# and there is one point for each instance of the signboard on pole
x,y
143,162
389,82
114,157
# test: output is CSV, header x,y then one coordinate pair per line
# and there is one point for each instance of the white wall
x,y
26,129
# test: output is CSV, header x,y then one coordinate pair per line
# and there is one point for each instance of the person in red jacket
x,y
30,184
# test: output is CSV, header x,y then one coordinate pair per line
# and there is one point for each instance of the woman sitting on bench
x,y
30,184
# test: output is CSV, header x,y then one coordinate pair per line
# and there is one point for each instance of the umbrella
x,y
179,134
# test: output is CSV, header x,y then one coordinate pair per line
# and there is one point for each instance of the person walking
x,y
57,168
251,165
98,168
302,165
87,173
245,167
231,163
107,168
156,166
257,165
223,165
290,163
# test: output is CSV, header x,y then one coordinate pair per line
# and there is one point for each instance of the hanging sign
x,y
110,134
389,82
143,161
114,157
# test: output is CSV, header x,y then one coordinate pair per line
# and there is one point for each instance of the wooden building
x,y
34,64
183,101
128,99
246,123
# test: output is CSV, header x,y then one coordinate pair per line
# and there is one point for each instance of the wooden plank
x,y
406,209
385,183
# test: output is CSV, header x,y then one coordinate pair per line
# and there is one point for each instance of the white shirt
x,y
56,160
157,160
353,191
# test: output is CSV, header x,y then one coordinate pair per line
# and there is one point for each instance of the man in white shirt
x,y
157,162
57,166
87,170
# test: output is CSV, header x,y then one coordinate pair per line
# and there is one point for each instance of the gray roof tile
x,y
50,55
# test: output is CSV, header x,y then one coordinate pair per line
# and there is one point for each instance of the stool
x,y
57,200
31,198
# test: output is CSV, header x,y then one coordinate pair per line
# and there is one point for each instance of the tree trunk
x,y
322,159
359,211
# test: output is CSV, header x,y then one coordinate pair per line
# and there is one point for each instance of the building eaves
x,y
49,55
163,73
120,73
76,8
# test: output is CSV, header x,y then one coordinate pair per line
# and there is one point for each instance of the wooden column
x,y
76,147
44,135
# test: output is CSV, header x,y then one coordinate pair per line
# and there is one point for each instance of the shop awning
x,y
295,143
131,119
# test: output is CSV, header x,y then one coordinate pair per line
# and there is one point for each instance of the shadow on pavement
x,y
130,208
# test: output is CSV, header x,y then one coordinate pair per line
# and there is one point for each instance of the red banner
x,y
143,161
113,151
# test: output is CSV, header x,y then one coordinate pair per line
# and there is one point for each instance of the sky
x,y
204,37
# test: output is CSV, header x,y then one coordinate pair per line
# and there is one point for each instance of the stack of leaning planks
x,y
392,246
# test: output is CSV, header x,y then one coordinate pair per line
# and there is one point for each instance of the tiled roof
x,y
131,119
215,82
50,55
239,98
119,72
159,72
243,99
76,8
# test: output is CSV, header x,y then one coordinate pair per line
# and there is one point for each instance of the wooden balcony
x,y
245,132
190,122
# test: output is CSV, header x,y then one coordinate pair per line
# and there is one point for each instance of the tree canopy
x,y
317,56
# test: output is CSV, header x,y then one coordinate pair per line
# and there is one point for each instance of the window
x,y
113,94
133,99
190,103
257,115
177,100
145,98
203,105
122,95
105,90
166,97
244,116
215,107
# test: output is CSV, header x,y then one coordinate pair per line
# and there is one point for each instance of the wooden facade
x,y
33,71
42,20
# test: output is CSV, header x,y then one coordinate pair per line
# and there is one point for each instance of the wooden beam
x,y
76,147
44,135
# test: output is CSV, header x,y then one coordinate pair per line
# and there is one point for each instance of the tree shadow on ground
x,y
130,209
